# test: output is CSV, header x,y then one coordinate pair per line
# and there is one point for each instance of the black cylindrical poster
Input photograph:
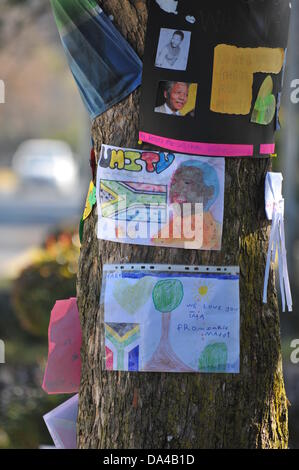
x,y
213,74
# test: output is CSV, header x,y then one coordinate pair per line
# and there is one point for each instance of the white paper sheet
x,y
163,320
61,423
160,198
274,206
273,192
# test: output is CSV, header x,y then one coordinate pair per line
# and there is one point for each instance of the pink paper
x,y
198,148
63,369
266,149
61,423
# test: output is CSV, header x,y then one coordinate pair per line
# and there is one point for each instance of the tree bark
x,y
120,410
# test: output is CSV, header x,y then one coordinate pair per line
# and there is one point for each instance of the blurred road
x,y
28,213
38,205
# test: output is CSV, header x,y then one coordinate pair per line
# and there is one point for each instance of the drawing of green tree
x,y
213,358
167,296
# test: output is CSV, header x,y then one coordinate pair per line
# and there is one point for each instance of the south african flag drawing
x,y
122,342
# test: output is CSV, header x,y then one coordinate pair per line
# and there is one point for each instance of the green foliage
x,y
167,295
35,293
51,277
22,426
22,401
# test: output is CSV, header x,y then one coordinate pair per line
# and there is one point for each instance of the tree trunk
x,y
120,410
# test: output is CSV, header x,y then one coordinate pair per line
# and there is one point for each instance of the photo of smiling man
x,y
176,98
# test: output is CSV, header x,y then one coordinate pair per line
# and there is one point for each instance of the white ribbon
x,y
275,211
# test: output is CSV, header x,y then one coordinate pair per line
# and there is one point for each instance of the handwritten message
x,y
233,75
175,322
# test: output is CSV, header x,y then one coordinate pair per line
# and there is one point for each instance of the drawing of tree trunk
x,y
120,410
167,296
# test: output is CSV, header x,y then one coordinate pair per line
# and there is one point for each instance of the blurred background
x,y
45,133
44,147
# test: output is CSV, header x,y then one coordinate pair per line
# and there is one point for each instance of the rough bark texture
x,y
121,410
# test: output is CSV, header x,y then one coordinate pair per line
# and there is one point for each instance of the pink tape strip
x,y
198,148
267,149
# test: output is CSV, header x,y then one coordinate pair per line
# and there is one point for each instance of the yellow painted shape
x,y
132,157
203,290
117,159
122,339
190,105
116,197
233,75
88,207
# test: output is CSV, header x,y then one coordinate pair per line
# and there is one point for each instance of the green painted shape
x,y
132,297
120,359
92,198
69,11
132,198
213,358
125,343
81,229
120,346
167,295
265,105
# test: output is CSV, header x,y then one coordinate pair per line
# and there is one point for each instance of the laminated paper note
x,y
160,198
61,423
63,368
171,318
212,75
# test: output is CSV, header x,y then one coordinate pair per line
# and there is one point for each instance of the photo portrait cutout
x,y
176,98
173,49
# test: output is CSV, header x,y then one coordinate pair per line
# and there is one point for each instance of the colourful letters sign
x,y
160,198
